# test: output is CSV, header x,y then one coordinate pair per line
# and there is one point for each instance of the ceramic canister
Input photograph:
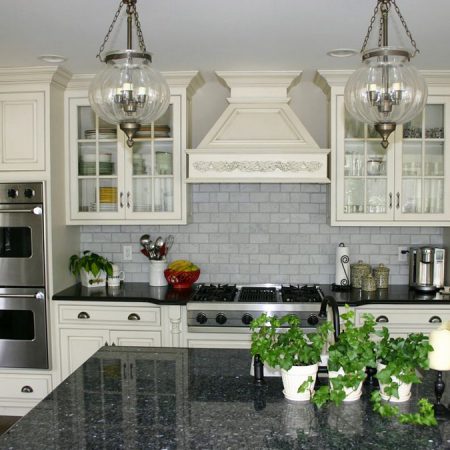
x,y
357,272
381,275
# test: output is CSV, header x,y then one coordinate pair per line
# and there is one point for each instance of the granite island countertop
x,y
166,295
165,398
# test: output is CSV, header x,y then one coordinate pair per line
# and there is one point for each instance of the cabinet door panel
x,y
136,338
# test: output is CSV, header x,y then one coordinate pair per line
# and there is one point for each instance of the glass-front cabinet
x,y
110,183
407,182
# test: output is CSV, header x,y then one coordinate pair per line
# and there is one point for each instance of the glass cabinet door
x,y
97,164
364,174
422,164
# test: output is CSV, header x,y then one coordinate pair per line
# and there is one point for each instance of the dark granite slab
x,y
142,292
155,398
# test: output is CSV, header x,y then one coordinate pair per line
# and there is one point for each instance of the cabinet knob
x,y
435,319
26,389
134,316
382,319
84,315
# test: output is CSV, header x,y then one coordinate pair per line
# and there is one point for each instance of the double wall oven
x,y
23,329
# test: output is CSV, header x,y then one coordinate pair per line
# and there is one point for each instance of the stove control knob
x,y
201,318
221,318
29,193
313,319
13,193
247,319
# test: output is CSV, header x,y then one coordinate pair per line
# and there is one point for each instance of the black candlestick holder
x,y
440,411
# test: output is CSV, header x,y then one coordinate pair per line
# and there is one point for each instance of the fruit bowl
x,y
180,279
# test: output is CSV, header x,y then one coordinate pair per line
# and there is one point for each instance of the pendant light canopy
x,y
386,90
128,92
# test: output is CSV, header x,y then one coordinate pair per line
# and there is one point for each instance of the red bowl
x,y
180,279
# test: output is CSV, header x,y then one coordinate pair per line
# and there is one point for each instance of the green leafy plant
x,y
280,342
401,357
352,352
90,262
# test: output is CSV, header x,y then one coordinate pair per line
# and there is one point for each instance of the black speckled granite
x,y
155,398
142,292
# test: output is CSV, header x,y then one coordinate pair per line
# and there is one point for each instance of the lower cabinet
x,y
84,327
19,392
218,340
404,319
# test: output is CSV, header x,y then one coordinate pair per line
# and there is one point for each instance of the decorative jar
x,y
381,275
357,272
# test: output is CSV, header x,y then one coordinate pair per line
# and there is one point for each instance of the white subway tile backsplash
x,y
261,233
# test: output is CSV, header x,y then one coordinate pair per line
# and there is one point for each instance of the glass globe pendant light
x,y
128,92
386,90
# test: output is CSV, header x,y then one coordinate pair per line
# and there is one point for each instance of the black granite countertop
x,y
142,292
161,398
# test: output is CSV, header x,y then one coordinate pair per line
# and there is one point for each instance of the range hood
x,y
258,138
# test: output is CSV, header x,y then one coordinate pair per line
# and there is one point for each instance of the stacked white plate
x,y
103,133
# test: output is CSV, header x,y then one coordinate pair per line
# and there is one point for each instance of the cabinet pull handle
x,y
113,344
124,371
398,200
435,319
131,371
121,199
390,200
27,389
84,315
382,319
134,316
128,199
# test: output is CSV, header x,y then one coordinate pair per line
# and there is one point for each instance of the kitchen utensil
x,y
159,243
144,240
169,242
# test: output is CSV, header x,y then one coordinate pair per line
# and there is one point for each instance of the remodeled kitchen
x,y
151,212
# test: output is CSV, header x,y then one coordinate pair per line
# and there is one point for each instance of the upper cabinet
x,y
406,184
109,182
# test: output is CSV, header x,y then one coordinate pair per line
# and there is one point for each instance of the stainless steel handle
x,y
398,200
84,315
36,210
121,199
128,199
124,371
390,200
382,319
131,371
435,319
38,296
134,316
27,389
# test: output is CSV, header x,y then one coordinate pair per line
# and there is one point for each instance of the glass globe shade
x,y
387,71
129,70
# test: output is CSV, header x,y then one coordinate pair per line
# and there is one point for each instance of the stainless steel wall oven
x,y
23,329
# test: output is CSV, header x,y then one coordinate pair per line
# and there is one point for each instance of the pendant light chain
x,y
131,10
387,4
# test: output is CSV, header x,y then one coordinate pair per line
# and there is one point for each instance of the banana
x,y
182,265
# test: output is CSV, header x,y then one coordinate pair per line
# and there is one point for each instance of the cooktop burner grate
x,y
301,294
215,293
258,295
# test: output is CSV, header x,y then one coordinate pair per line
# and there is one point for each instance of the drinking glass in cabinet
x,y
142,157
87,201
433,196
411,195
377,195
142,195
354,196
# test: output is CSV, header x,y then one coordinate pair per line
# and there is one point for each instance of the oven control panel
x,y
21,193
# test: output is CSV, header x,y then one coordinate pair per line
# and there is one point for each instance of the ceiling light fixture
x,y
128,92
54,59
386,89
342,52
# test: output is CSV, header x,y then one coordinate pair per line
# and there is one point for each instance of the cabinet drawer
x,y
32,387
85,314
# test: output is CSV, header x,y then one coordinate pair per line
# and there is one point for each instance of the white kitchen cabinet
x,y
404,319
406,184
84,327
22,130
110,183
218,340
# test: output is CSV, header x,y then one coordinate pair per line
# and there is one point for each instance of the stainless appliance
x,y
23,335
426,268
231,308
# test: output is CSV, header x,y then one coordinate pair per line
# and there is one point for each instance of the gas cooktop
x,y
258,293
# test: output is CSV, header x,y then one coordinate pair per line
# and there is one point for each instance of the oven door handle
x,y
38,296
36,210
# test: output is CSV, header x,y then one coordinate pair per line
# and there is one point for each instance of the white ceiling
x,y
210,35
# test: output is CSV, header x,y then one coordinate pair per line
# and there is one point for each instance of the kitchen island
x,y
166,398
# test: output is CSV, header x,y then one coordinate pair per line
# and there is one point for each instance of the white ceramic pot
x,y
351,394
88,280
404,389
294,378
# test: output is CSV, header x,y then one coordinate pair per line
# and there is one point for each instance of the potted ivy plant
x,y
348,359
281,342
91,267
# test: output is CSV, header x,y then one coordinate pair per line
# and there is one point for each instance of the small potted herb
x,y
348,359
92,268
280,342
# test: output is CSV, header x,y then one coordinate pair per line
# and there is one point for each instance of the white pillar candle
x,y
439,358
